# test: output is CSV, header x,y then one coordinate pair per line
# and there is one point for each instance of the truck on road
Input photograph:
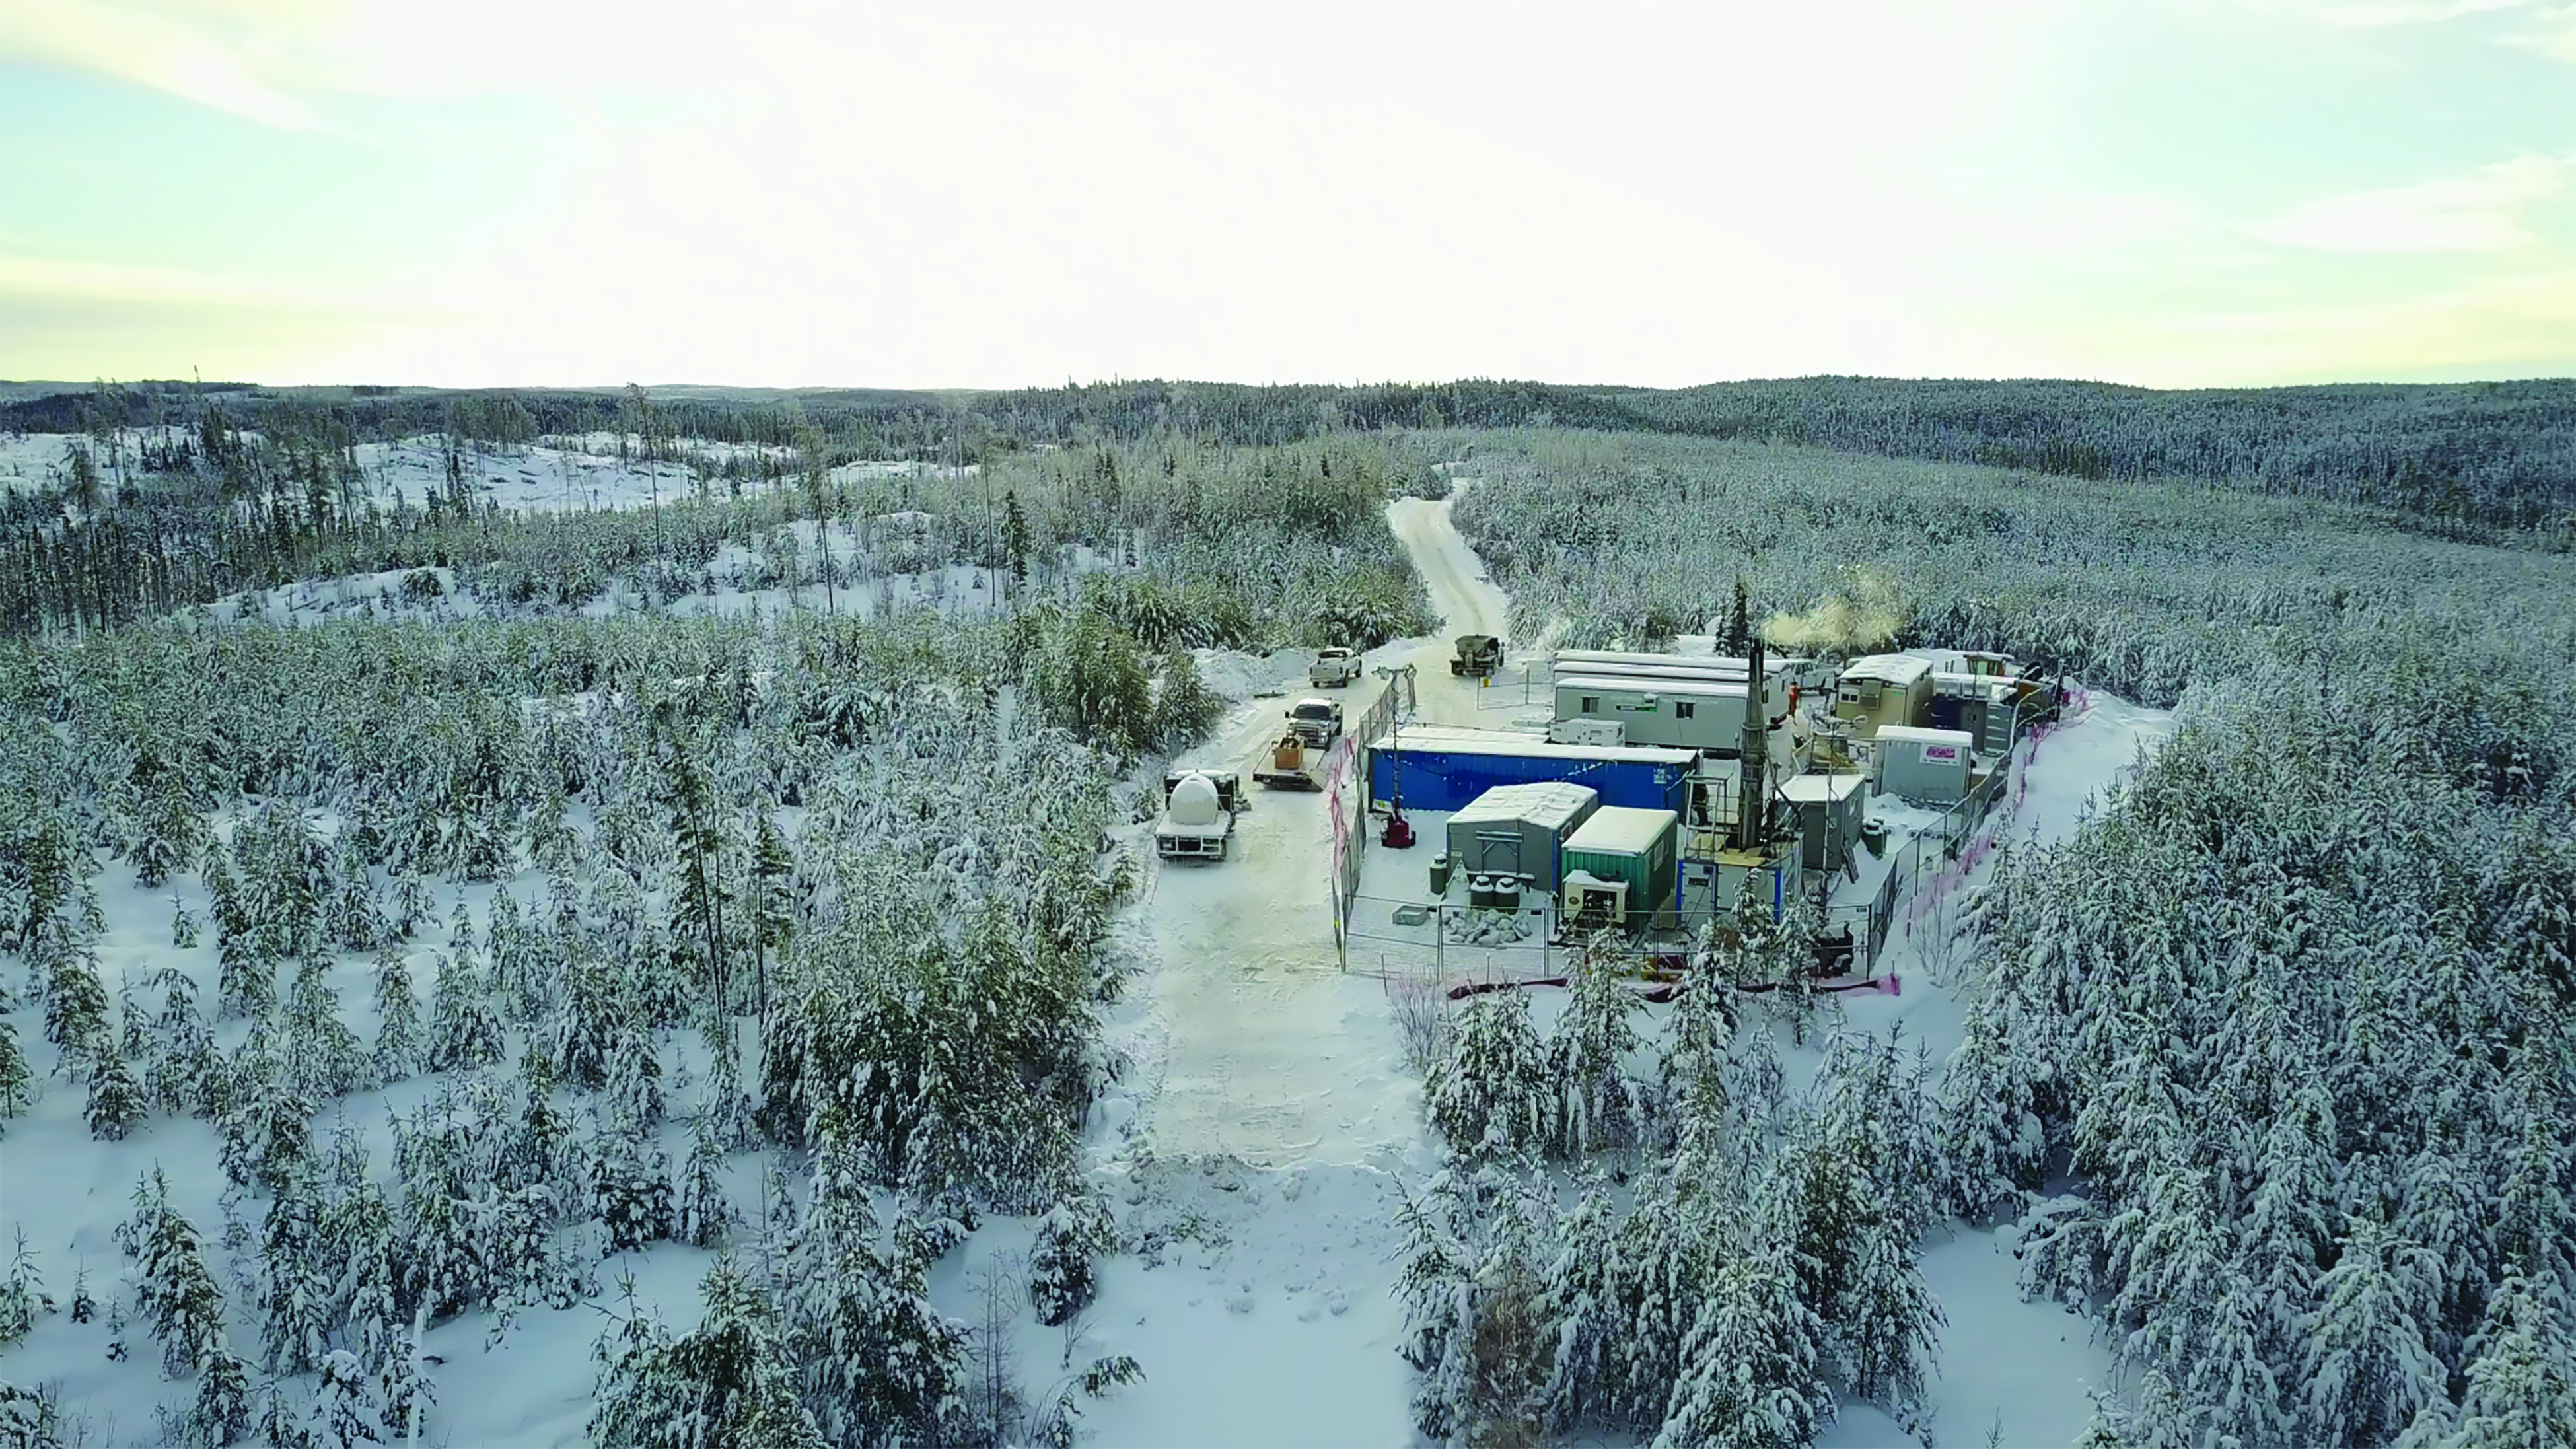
x,y
1479,655
1316,721
1292,766
1199,807
1334,668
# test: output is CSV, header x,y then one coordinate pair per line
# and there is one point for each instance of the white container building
x,y
1926,766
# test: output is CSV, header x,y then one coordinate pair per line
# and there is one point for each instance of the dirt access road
x,y
1264,1050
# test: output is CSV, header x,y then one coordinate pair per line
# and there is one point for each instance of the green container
x,y
1651,866
1440,874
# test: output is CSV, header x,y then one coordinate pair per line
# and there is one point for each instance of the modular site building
x,y
1829,813
1594,661
1440,768
1927,766
1519,831
1883,690
1693,714
1623,867
1570,664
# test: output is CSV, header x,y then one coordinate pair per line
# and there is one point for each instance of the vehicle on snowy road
x,y
1316,721
1199,807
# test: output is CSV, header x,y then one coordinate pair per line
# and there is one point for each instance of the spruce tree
x,y
183,1055
17,1080
177,1294
398,1031
294,1292
224,1407
116,1103
464,1031
703,1215
344,1414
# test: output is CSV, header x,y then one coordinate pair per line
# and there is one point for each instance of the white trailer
x,y
1929,767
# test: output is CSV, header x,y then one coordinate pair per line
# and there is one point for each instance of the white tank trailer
x,y
1199,807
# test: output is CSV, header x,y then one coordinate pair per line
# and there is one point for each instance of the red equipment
x,y
1399,831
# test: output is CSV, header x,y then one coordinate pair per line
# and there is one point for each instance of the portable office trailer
x,y
1829,811
1583,661
1519,830
1637,849
1782,676
1884,690
1924,765
1696,714
1440,768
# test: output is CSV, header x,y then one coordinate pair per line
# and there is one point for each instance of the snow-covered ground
x,y
1256,1150
586,471
1259,1058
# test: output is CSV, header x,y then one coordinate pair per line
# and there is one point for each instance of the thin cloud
x,y
2478,212
190,49
2374,14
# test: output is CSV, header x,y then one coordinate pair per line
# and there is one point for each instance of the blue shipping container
x,y
1434,779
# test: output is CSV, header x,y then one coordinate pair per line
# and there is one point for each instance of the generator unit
x,y
1591,903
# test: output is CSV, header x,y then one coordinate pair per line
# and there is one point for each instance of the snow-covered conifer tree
x,y
1074,1232
704,1215
324,1059
177,1294
635,1080
1438,1288
1751,1368
246,972
2522,1389
878,1360
295,1296
116,1102
404,1390
1597,1106
464,1032
399,1048
734,1381
411,906
17,1079
1491,1093
183,1055
225,1405
76,1003
1887,1322
344,1413
2366,1365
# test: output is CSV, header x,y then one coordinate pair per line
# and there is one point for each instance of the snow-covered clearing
x,y
590,471
1275,1087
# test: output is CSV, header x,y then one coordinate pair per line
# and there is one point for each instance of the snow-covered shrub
x,y
1061,1279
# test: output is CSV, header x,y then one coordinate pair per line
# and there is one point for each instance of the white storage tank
x,y
1929,767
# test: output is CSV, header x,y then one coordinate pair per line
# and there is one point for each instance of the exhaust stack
x,y
1753,785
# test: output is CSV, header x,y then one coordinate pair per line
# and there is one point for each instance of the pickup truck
x,y
1334,668
1316,721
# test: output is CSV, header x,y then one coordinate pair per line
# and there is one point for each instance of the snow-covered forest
x,y
2268,1067
658,945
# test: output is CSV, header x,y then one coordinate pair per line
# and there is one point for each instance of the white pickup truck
x,y
1334,668
1199,807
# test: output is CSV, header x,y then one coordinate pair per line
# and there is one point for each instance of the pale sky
x,y
966,194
